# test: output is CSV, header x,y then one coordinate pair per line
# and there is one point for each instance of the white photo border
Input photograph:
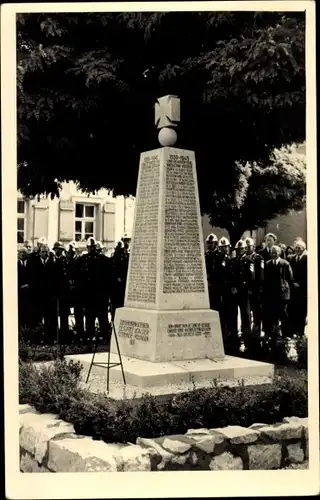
x,y
147,484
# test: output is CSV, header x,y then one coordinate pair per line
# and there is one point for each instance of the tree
x,y
87,84
262,193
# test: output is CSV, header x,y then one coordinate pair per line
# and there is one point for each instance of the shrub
x,y
302,352
50,386
56,388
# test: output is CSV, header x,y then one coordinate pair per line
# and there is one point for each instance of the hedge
x,y
56,388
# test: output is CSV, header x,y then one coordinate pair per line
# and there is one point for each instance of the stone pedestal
x,y
166,315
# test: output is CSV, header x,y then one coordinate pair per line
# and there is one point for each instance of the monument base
x,y
168,335
166,378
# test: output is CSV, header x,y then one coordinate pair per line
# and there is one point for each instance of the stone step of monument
x,y
170,377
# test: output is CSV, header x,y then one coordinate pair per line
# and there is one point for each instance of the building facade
x,y
75,216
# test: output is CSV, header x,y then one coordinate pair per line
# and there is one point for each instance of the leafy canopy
x,y
87,84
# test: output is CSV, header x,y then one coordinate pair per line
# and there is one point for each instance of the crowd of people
x,y
266,285
52,282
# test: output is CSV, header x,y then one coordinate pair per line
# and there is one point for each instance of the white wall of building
x,y
56,219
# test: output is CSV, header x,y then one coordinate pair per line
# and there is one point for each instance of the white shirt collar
x,y
276,261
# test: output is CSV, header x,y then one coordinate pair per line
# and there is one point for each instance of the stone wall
x,y
48,444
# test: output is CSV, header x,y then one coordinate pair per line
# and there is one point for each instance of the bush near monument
x,y
240,77
55,388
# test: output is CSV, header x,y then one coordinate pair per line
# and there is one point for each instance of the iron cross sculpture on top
x,y
167,116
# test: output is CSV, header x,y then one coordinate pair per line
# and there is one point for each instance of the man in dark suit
x,y
299,290
43,289
255,292
240,275
278,278
23,290
270,240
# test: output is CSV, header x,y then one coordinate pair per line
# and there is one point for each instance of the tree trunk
x,y
235,234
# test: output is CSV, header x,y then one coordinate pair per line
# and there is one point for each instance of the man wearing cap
x,y
43,289
278,278
211,261
62,288
241,275
126,242
255,292
219,284
72,297
96,286
298,304
120,263
270,240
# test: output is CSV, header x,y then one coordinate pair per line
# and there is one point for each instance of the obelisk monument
x,y
166,314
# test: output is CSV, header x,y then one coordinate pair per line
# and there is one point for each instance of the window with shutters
x,y
85,221
21,221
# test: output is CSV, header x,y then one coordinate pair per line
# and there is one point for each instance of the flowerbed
x,y
56,389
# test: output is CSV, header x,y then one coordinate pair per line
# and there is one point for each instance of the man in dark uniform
x,y
220,285
278,278
270,240
241,275
120,263
62,288
96,285
23,290
211,260
299,291
126,242
43,289
255,292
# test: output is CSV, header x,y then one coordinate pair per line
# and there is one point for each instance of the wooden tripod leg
x,y
118,349
92,360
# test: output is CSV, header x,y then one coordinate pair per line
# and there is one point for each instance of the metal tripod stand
x,y
108,364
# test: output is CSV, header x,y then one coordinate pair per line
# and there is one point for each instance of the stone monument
x,y
166,315
167,333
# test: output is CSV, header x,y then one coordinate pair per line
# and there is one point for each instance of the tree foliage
x,y
87,84
262,193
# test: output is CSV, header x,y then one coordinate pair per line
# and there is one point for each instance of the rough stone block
x,y
295,453
280,432
29,464
264,457
135,458
197,432
226,461
207,442
299,421
38,429
239,435
175,446
83,454
257,426
161,459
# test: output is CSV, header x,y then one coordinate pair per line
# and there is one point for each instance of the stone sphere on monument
x,y
167,136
